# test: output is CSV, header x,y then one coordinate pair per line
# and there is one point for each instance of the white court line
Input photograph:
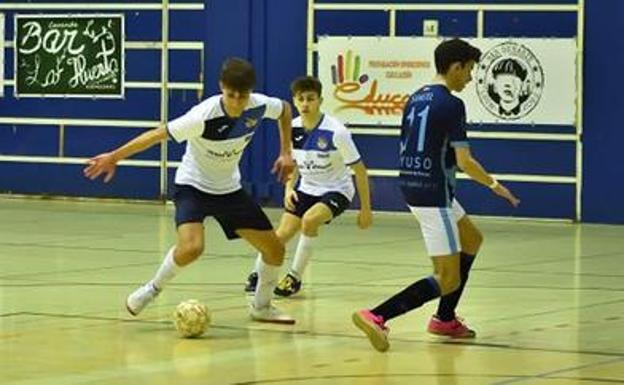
x,y
546,375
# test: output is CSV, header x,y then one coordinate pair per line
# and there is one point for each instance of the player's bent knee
x,y
285,235
477,238
472,238
190,251
310,225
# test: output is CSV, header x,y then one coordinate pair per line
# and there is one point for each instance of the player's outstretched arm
x,y
473,168
284,164
365,217
106,163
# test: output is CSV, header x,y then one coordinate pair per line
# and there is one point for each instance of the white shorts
x,y
439,228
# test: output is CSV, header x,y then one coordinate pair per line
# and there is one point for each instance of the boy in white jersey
x,y
323,151
207,183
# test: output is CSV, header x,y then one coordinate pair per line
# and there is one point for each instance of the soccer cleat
x,y
270,314
454,328
288,286
252,282
373,326
137,301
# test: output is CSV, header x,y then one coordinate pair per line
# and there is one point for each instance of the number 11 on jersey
x,y
422,130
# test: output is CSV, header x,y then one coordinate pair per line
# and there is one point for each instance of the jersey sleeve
x,y
346,147
188,126
274,108
457,126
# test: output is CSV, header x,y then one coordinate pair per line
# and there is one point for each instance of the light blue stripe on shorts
x,y
449,230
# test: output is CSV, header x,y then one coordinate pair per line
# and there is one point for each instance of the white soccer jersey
x,y
215,141
322,156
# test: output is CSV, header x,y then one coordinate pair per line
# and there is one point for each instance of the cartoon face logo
x,y
321,143
510,81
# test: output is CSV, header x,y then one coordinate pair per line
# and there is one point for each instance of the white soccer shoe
x,y
270,314
142,296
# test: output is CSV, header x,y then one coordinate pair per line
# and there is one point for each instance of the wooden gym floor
x,y
547,301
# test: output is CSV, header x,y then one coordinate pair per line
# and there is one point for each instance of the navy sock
x,y
448,303
410,298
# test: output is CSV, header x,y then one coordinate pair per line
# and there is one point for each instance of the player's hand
x,y
503,192
290,199
283,167
101,164
365,218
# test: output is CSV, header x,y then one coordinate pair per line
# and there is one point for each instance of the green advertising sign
x,y
79,55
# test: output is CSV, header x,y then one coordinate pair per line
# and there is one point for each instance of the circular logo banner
x,y
510,81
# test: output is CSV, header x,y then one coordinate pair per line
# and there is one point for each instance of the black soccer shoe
x,y
288,286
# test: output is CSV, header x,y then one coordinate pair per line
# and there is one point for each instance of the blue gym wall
x,y
603,185
272,34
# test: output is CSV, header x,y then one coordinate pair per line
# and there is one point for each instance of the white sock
x,y
258,263
302,255
167,270
267,280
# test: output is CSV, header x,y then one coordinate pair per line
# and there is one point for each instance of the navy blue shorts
x,y
336,202
233,211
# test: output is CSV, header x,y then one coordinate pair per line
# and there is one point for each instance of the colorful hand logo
x,y
348,81
348,72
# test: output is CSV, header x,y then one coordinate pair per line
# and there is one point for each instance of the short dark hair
x,y
509,66
238,74
306,83
453,51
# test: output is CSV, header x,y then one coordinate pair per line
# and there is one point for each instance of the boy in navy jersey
x,y
207,183
433,144
324,151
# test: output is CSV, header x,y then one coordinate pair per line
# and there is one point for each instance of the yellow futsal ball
x,y
191,318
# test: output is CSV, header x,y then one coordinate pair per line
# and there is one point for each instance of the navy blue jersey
x,y
434,121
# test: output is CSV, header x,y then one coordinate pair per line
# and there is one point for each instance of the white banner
x,y
367,80
1,55
523,81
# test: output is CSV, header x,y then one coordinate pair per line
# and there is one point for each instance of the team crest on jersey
x,y
251,123
510,81
322,143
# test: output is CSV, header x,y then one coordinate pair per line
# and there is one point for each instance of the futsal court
x,y
545,298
